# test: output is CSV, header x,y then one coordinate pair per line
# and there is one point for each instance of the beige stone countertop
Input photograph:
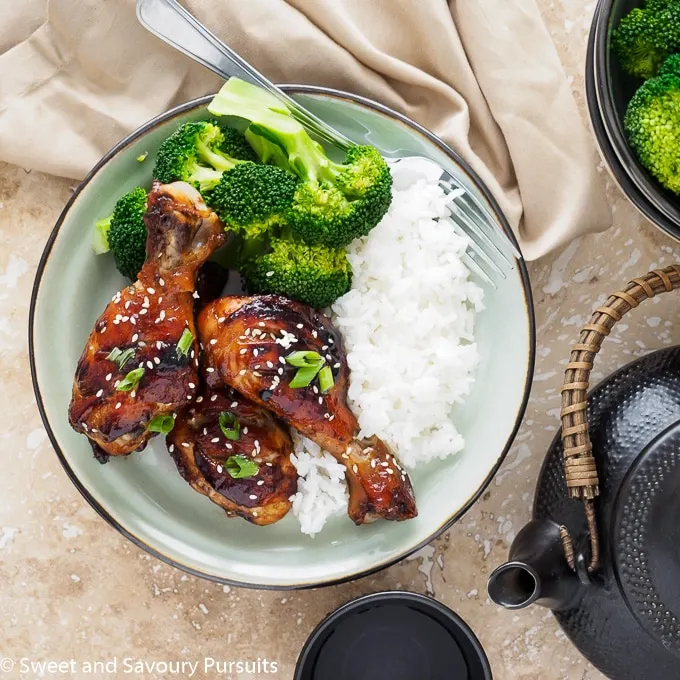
x,y
71,587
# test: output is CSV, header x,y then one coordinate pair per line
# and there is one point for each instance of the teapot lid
x,y
647,538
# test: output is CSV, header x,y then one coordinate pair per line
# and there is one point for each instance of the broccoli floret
x,y
124,233
236,145
195,153
313,274
652,125
645,37
253,198
334,202
670,66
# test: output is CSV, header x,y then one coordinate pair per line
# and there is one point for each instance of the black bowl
x,y
393,635
608,91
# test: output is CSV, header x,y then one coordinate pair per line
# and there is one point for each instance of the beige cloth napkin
x,y
77,75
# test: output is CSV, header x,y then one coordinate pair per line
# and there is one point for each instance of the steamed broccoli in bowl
x,y
334,203
123,233
652,125
646,36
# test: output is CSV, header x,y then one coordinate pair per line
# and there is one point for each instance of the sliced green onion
x,y
131,380
161,423
121,357
326,379
230,426
240,466
141,158
185,343
305,359
304,376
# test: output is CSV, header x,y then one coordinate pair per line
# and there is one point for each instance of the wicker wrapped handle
x,y
579,464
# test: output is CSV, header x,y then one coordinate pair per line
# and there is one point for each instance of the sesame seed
x,y
355,469
193,354
229,446
171,448
116,322
300,325
245,430
345,456
268,274
257,374
84,426
149,364
336,365
185,445
314,334
252,497
159,344
261,324
222,319
109,376
282,360
256,366
132,320
325,347
161,282
133,394
160,299
156,361
199,400
99,393
135,337
210,369
269,465
146,302
125,318
205,430
256,444
142,311
213,341
326,415
234,404
247,332
331,418
242,371
261,482
270,364
374,462
192,385
161,316
243,351
196,295
385,464
189,397
280,371
118,405
215,439
315,389
403,478
150,291
116,383
321,400
103,330
213,398
256,352
330,341
127,305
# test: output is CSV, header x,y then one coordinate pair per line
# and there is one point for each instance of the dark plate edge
x,y
302,89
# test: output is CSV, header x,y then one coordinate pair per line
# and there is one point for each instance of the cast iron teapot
x,y
604,552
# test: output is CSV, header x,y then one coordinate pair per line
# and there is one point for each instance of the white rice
x,y
408,330
322,490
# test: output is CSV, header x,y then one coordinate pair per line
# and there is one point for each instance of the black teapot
x,y
603,548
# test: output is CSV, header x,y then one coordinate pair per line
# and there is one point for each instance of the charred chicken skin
x,y
205,454
246,341
133,367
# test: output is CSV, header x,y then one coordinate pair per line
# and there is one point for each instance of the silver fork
x,y
490,252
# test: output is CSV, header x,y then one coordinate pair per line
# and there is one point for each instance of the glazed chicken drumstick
x,y
246,341
237,454
141,358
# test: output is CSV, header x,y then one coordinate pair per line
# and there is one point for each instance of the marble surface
x,y
72,588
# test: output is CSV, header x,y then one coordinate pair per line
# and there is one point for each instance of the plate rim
x,y
384,564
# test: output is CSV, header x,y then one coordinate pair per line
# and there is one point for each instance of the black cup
x,y
393,635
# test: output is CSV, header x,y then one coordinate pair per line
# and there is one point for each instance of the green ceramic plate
x,y
145,498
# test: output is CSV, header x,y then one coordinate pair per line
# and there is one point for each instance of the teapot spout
x,y
537,571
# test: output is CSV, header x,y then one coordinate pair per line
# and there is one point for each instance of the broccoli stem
x,y
306,157
100,236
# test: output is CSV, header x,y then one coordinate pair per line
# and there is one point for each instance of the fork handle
x,y
170,22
